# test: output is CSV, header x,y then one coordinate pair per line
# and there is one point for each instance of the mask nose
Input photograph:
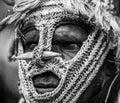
x,y
44,57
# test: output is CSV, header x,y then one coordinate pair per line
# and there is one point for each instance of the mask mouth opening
x,y
45,82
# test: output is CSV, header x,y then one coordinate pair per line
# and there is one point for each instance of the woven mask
x,y
76,74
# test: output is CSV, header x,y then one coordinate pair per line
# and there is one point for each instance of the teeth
x,y
29,55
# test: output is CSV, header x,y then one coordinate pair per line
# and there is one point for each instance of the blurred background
x,y
8,70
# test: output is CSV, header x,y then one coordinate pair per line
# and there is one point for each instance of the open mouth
x,y
45,82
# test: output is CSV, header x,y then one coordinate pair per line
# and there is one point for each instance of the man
x,y
68,51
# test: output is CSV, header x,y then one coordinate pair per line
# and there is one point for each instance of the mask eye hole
x,y
68,40
30,37
72,47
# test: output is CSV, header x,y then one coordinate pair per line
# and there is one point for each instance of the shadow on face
x,y
68,39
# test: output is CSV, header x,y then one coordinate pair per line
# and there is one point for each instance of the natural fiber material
x,y
97,11
77,74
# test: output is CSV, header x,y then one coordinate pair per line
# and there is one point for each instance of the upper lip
x,y
46,80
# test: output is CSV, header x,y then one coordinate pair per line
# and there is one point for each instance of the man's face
x,y
67,40
66,53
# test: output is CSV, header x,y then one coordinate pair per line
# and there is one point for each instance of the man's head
x,y
60,46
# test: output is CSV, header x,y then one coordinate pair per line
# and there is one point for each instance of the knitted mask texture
x,y
76,74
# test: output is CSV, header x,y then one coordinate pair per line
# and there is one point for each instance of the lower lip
x,y
44,90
